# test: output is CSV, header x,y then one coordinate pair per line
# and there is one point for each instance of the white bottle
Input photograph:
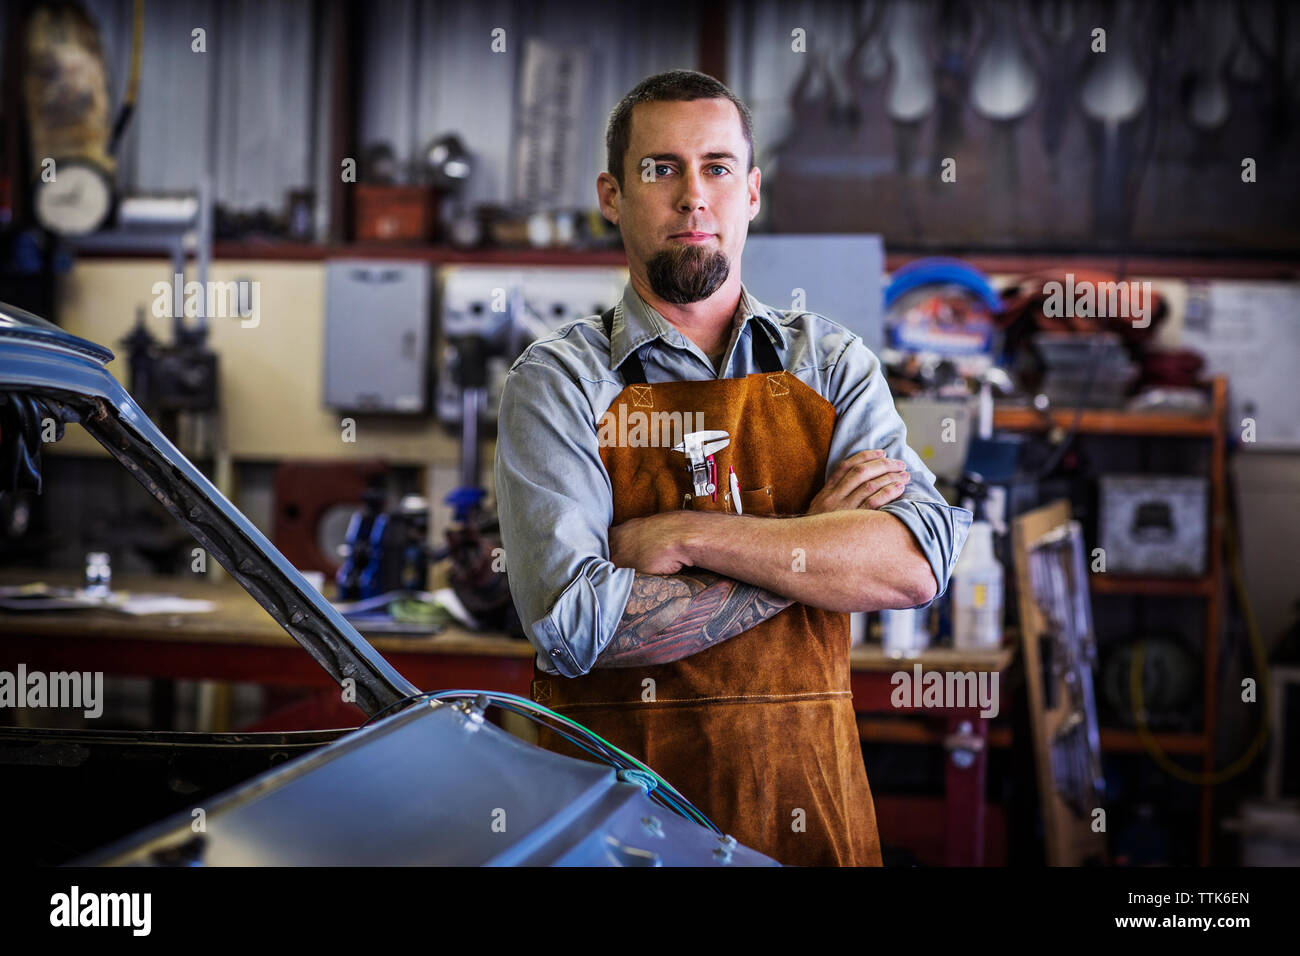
x,y
904,633
977,592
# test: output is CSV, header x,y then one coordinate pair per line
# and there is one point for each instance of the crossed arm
x,y
700,582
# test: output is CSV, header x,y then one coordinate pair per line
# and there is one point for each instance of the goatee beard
x,y
685,273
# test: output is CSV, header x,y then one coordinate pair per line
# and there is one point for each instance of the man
x,y
698,622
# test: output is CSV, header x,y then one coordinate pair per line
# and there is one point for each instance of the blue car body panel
x,y
434,785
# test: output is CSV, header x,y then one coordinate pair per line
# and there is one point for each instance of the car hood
x,y
17,323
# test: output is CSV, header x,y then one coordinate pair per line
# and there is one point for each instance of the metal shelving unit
x,y
1207,587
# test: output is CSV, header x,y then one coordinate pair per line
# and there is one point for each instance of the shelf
x,y
1169,267
877,730
883,731
1196,748
1105,422
1132,584
1128,741
283,250
1147,266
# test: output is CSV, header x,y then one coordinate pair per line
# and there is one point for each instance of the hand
x,y
865,480
651,545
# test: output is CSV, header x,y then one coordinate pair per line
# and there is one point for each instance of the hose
x,y
133,78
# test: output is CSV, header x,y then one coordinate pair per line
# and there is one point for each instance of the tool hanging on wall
x,y
1004,88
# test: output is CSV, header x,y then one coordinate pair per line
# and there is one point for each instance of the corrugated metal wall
x,y
429,69
243,111
251,110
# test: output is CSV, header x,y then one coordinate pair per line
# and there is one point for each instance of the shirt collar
x,y
636,322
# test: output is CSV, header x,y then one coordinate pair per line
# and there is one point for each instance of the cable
x,y
618,757
560,733
663,792
408,699
133,80
661,783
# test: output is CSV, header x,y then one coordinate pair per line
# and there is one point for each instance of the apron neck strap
x,y
633,372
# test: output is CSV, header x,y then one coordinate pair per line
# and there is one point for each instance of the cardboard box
x,y
395,213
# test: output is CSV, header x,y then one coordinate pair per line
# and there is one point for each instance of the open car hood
x,y
47,372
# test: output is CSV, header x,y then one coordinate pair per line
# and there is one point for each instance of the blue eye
x,y
721,167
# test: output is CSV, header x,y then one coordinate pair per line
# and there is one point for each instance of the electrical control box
x,y
377,331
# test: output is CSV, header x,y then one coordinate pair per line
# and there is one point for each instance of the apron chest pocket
x,y
758,501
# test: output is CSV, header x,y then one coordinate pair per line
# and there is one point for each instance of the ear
x,y
609,195
755,203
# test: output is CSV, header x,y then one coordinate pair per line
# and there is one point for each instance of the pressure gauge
x,y
77,201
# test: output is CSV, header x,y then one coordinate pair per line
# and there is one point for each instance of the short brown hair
x,y
673,85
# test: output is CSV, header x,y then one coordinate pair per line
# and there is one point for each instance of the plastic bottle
x,y
977,592
904,633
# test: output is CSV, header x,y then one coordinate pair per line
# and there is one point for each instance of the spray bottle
x,y
977,580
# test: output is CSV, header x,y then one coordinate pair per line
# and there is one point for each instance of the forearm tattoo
x,y
671,616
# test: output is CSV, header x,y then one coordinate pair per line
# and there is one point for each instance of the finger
x,y
843,481
885,495
857,459
858,497
835,483
869,454
877,468
855,469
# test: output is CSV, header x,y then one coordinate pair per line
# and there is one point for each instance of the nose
x,y
692,195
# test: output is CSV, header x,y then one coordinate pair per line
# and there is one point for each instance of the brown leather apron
x,y
759,731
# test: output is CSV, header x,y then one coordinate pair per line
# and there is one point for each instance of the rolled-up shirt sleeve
x,y
866,418
555,505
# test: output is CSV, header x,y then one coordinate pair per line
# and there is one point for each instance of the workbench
x,y
239,642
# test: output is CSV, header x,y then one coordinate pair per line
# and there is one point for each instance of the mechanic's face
x,y
687,200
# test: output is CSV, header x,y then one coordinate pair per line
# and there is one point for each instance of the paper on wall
x,y
1250,332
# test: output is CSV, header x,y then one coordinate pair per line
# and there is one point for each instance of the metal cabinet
x,y
377,325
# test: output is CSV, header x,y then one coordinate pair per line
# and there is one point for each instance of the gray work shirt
x,y
554,496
